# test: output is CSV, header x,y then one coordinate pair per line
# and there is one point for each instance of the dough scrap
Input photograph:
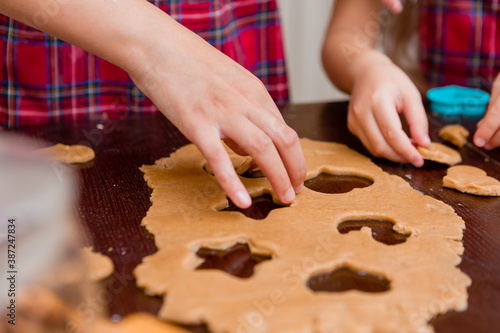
x,y
440,153
136,322
303,241
472,180
68,154
98,265
455,134
240,163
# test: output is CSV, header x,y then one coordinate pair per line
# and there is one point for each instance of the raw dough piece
x,y
98,265
303,241
40,309
469,179
68,154
440,153
240,163
456,134
137,322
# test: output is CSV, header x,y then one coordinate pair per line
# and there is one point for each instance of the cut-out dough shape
x,y
455,134
472,180
98,265
440,153
240,164
68,154
303,241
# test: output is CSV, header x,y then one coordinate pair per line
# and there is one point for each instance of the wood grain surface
x,y
114,198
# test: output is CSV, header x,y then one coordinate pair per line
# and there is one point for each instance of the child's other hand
x,y
488,129
381,92
209,97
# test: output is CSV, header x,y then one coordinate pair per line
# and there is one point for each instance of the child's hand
x,y
488,129
382,91
209,97
205,94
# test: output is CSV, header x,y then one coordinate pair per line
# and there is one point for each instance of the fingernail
x,y
243,199
299,188
479,142
427,140
396,7
417,160
290,195
488,147
417,163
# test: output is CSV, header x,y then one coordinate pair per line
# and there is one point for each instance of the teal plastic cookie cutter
x,y
456,100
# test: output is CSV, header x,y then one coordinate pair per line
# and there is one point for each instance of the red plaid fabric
x,y
460,42
45,80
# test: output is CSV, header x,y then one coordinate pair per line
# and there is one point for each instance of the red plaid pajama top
x,y
45,80
460,42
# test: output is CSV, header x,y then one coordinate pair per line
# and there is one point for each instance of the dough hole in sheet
x,y
237,260
336,184
382,230
346,278
261,206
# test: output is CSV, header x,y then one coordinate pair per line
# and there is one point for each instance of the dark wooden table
x,y
114,199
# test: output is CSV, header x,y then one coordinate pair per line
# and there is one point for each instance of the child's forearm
x,y
349,45
120,31
204,93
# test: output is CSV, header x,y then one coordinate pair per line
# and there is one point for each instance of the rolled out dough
x,y
440,153
98,265
68,154
455,134
472,180
303,241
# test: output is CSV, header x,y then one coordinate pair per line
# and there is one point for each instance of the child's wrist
x,y
366,61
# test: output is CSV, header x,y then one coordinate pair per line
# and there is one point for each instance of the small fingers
x,y
288,146
487,129
380,131
494,141
417,119
394,5
260,146
388,121
211,147
365,127
234,147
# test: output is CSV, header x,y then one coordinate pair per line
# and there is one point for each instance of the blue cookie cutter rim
x,y
457,100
